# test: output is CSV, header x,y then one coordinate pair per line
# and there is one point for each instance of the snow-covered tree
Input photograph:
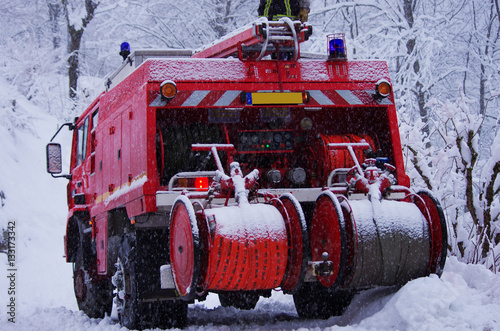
x,y
469,186
78,14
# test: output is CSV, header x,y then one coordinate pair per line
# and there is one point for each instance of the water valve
x,y
323,268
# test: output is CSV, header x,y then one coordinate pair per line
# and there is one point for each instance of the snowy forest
x,y
443,56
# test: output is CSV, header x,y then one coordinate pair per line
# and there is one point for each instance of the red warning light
x,y
201,183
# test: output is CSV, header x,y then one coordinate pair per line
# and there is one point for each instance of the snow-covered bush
x,y
466,183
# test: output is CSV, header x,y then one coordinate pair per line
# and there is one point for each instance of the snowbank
x,y
36,203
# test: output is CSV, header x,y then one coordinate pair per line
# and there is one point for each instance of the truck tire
x,y
240,300
132,312
314,301
93,297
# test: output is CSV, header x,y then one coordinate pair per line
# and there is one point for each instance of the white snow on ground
x,y
465,297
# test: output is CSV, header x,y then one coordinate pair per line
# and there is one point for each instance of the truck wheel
x,y
132,312
314,301
93,297
339,301
240,300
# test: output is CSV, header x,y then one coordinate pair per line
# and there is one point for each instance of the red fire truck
x,y
244,167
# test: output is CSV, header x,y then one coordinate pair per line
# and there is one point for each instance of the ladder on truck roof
x,y
264,37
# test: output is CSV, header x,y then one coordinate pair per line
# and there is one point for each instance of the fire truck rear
x,y
240,169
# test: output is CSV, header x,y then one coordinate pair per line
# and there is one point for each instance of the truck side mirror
x,y
54,159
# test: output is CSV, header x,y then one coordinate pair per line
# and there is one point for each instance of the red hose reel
x,y
249,248
237,248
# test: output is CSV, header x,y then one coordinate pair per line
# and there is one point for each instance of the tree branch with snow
x,y
78,16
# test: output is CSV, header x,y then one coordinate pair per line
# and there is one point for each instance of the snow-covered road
x,y
467,297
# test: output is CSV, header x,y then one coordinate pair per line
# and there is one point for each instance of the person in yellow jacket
x,y
275,9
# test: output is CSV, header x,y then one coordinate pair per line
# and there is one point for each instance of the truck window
x,y
81,151
93,126
95,117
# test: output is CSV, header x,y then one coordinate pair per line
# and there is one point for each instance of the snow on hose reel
x,y
242,247
378,242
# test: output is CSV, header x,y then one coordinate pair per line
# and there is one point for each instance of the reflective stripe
x,y
287,13
323,98
195,98
158,102
266,8
382,101
288,9
277,17
320,97
227,98
349,97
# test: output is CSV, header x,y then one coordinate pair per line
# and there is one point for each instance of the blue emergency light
x,y
125,50
125,46
336,46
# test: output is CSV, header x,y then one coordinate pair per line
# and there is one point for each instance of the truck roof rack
x,y
137,57
314,56
251,42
